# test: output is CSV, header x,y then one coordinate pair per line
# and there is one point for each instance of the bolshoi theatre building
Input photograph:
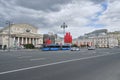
x,y
17,35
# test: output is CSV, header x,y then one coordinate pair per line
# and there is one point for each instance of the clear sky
x,y
81,16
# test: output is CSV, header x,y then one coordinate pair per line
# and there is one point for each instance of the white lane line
x,y
39,66
37,59
82,51
94,52
24,57
108,52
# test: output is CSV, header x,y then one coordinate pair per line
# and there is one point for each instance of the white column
x,y
33,41
14,42
29,40
38,41
18,41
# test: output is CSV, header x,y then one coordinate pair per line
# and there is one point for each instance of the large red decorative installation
x,y
48,41
68,38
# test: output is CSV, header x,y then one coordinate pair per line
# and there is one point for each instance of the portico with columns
x,y
25,40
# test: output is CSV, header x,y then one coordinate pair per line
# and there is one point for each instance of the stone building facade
x,y
115,35
17,35
99,38
101,42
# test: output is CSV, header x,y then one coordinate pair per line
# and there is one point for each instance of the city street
x,y
99,64
59,40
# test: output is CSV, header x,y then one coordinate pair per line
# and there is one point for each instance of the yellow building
x,y
19,34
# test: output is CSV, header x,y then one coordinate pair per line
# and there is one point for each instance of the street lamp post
x,y
9,34
64,26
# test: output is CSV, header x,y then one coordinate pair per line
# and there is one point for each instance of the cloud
x,y
44,5
111,17
75,15
81,16
98,1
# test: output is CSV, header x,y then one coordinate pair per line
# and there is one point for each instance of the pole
x,y
63,26
9,34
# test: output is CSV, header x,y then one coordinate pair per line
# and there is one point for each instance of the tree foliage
x,y
29,46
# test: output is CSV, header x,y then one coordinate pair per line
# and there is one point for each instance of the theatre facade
x,y
17,35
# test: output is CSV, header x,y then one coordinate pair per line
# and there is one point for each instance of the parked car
x,y
75,49
91,48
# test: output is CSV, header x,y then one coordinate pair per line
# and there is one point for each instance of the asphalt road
x,y
99,64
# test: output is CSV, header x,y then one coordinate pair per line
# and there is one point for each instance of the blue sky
x,y
93,20
81,16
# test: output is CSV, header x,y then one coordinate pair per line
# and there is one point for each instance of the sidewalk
x,y
20,50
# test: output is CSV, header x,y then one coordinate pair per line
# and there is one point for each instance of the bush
x,y
83,46
29,46
74,45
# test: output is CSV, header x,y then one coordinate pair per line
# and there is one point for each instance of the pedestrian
x,y
4,47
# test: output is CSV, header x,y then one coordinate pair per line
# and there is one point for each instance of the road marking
x,y
94,52
82,51
49,64
25,57
37,59
108,52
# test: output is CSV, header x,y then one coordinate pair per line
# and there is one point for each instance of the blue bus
x,y
65,47
55,47
51,47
